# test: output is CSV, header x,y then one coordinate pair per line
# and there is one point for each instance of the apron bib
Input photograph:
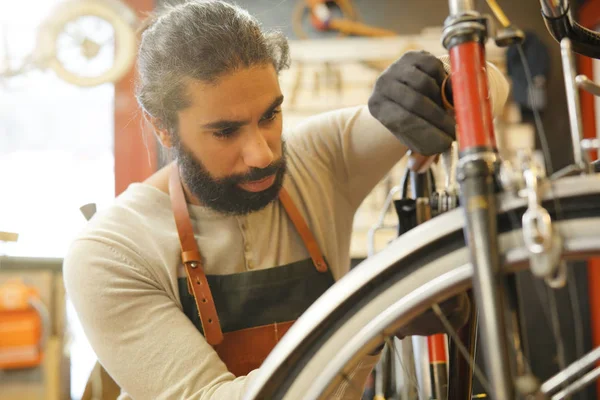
x,y
243,316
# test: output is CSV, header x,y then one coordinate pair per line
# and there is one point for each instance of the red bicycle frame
x,y
465,34
471,96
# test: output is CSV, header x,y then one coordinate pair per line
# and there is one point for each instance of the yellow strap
x,y
8,236
500,16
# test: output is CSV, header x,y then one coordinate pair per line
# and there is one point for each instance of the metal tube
x,y
578,384
458,7
448,161
472,102
420,184
587,84
575,368
419,345
475,136
592,87
438,365
476,178
439,377
554,8
423,210
569,72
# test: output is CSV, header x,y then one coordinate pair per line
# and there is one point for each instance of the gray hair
x,y
199,40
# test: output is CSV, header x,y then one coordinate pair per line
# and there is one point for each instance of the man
x,y
185,284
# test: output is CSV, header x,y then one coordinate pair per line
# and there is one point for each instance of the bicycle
x,y
535,222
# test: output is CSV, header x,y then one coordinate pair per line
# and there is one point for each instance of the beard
x,y
223,194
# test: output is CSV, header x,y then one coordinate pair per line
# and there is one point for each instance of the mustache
x,y
256,174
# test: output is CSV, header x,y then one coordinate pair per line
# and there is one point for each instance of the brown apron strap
x,y
190,256
303,230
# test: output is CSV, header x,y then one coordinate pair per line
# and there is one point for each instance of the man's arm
x,y
359,145
139,334
348,147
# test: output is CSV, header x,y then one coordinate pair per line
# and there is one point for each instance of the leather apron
x,y
244,315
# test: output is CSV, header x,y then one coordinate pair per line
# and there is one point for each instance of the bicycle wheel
x,y
425,266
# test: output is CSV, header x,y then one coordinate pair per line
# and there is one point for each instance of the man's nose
x,y
257,152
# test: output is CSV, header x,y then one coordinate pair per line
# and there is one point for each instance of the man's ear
x,y
162,133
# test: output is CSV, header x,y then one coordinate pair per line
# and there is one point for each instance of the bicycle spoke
x,y
576,311
461,347
578,384
560,345
572,370
413,379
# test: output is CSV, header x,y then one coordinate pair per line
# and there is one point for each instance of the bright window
x,y
56,144
56,154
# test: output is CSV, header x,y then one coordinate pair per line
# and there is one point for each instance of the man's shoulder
x,y
322,123
317,138
132,224
139,205
127,243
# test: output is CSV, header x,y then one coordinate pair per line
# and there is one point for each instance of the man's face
x,y
228,145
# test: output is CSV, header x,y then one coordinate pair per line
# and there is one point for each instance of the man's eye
x,y
225,133
272,115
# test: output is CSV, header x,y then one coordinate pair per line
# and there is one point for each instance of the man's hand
x,y
407,100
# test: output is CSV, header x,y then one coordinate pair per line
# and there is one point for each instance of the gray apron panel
x,y
263,297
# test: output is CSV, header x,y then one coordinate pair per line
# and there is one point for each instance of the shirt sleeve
x,y
357,150
352,147
139,333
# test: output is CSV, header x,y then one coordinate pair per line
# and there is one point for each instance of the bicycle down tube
x,y
465,33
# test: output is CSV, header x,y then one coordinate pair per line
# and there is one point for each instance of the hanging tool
x,y
322,18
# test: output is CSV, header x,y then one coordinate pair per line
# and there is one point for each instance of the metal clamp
x,y
465,25
537,224
542,242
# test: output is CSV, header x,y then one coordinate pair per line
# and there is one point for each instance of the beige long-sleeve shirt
x,y
121,272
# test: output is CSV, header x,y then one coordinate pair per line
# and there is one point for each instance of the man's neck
x,y
160,180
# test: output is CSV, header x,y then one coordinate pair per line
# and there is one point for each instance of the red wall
x,y
135,154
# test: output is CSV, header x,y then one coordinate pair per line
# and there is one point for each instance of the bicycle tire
x,y
352,318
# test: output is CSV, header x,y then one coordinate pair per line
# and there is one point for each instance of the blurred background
x,y
71,133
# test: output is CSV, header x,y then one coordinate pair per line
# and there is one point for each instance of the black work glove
x,y
407,100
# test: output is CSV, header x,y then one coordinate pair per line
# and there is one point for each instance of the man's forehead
x,y
243,91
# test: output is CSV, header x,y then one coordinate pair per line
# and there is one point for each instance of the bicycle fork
x,y
465,33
